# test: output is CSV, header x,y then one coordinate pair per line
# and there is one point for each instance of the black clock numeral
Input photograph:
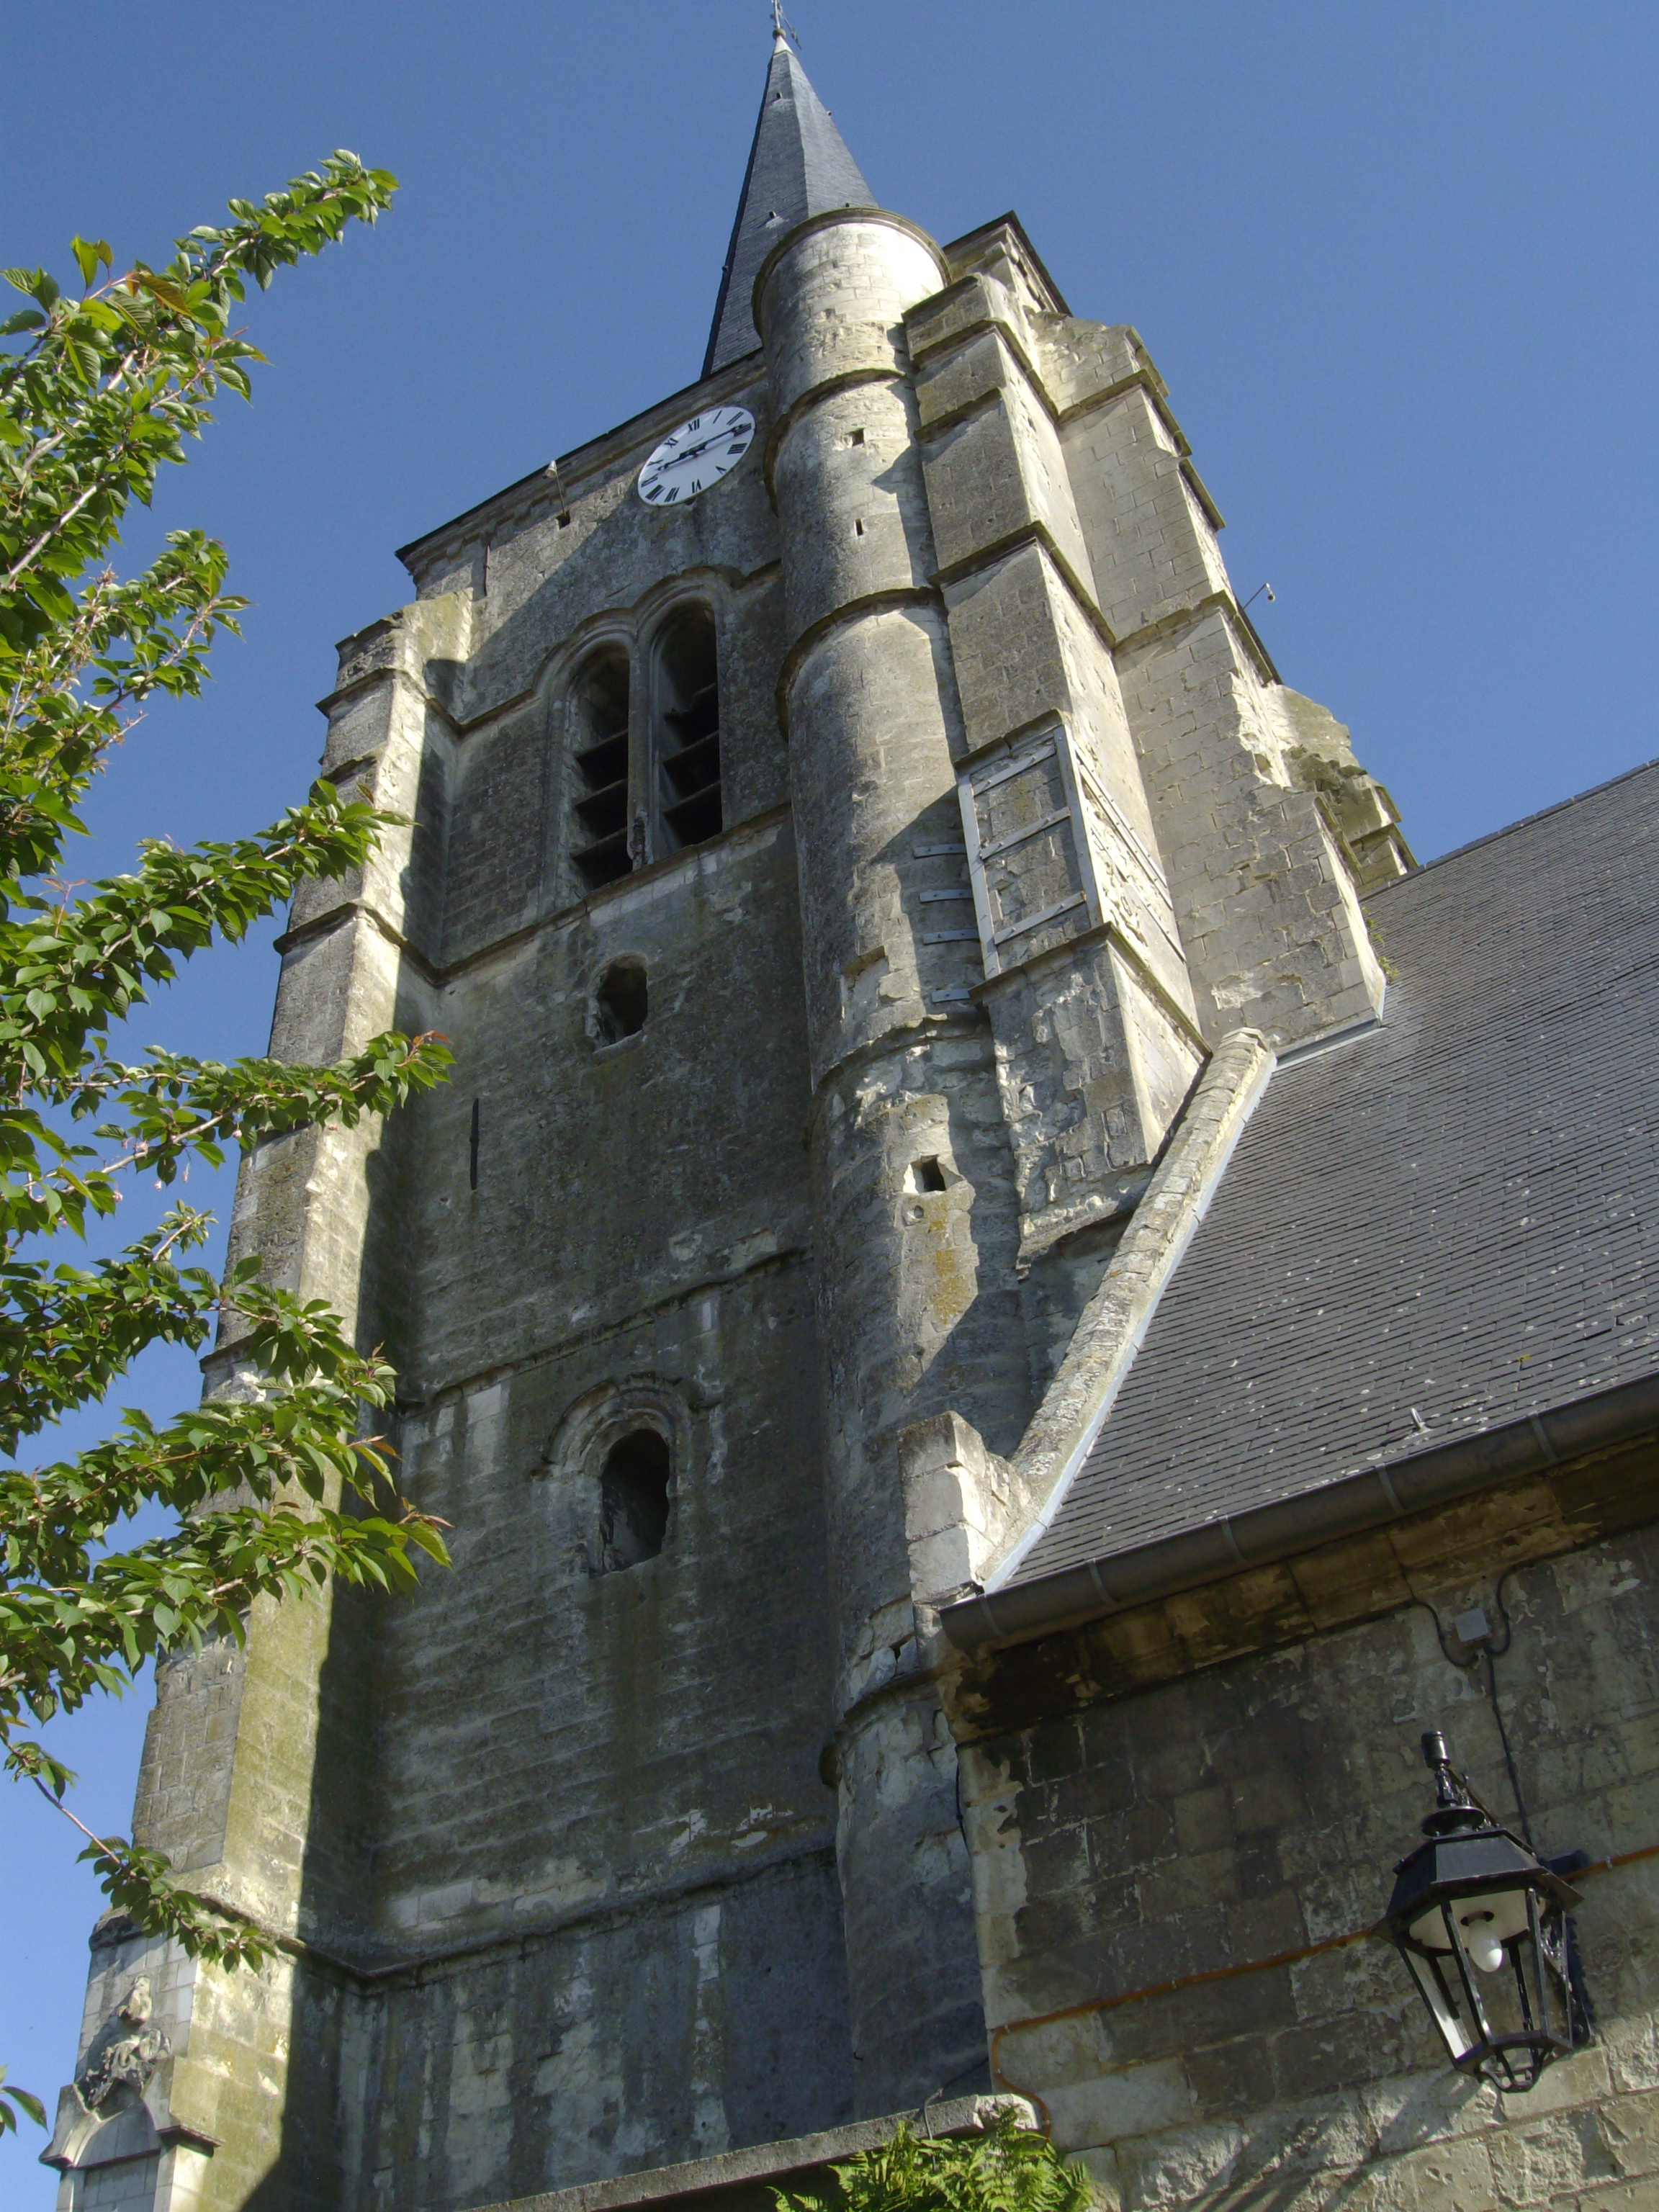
x,y
737,453
696,423
655,492
673,491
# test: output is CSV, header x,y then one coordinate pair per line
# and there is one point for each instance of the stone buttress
x,y
241,1783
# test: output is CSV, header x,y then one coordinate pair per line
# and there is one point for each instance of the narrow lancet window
x,y
687,731
599,830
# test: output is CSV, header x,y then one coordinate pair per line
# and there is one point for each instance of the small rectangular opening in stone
x,y
927,1175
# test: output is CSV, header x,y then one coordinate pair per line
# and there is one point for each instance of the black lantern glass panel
x,y
1482,1924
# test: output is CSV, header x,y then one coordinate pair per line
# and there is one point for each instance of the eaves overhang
x,y
1266,1534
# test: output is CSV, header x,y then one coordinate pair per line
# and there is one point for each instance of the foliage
x,y
1008,2168
10,2100
278,1487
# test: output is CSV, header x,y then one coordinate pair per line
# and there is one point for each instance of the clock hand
x,y
691,452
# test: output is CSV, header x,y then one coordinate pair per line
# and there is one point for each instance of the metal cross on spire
x,y
782,26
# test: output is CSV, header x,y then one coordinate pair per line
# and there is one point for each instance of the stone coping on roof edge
x,y
768,2163
1279,1530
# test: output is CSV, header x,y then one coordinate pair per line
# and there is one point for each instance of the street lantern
x,y
1482,1924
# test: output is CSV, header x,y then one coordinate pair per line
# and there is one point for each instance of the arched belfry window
x,y
599,831
686,730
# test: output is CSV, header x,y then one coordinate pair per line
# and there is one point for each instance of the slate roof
x,y
1445,1224
798,165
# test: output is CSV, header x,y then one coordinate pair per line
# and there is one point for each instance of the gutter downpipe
x,y
1269,1533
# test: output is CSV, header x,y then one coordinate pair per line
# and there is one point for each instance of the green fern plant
x,y
1008,2168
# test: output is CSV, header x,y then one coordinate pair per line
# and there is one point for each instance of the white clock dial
x,y
697,455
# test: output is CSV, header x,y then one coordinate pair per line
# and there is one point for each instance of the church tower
x,y
848,811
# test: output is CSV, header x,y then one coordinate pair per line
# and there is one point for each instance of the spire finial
x,y
782,29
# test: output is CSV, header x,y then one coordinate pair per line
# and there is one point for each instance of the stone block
x,y
1058,1862
1450,2177
1180,2168
1550,2159
1188,1881
1137,2101
1619,2196
1629,2126
1581,2079
1232,2079
1261,1927
1203,1820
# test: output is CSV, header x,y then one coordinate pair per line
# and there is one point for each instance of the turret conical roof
x,y
798,165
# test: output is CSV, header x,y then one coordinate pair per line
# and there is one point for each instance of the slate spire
x,y
798,165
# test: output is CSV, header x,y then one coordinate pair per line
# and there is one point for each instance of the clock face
x,y
697,455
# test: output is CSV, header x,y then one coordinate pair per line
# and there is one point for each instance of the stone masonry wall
x,y
1258,1807
562,1750
1269,910
600,1845
1073,846
551,1845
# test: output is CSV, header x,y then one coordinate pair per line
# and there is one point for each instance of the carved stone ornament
x,y
124,2060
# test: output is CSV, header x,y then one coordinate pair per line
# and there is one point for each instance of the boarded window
x,y
1050,856
687,732
599,839
633,1500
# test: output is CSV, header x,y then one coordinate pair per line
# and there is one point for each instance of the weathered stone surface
x,y
1255,1809
912,1177
640,1837
742,2181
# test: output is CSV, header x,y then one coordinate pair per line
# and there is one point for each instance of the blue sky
x,y
1395,264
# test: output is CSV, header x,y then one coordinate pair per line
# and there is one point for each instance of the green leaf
x,y
88,254
10,2095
